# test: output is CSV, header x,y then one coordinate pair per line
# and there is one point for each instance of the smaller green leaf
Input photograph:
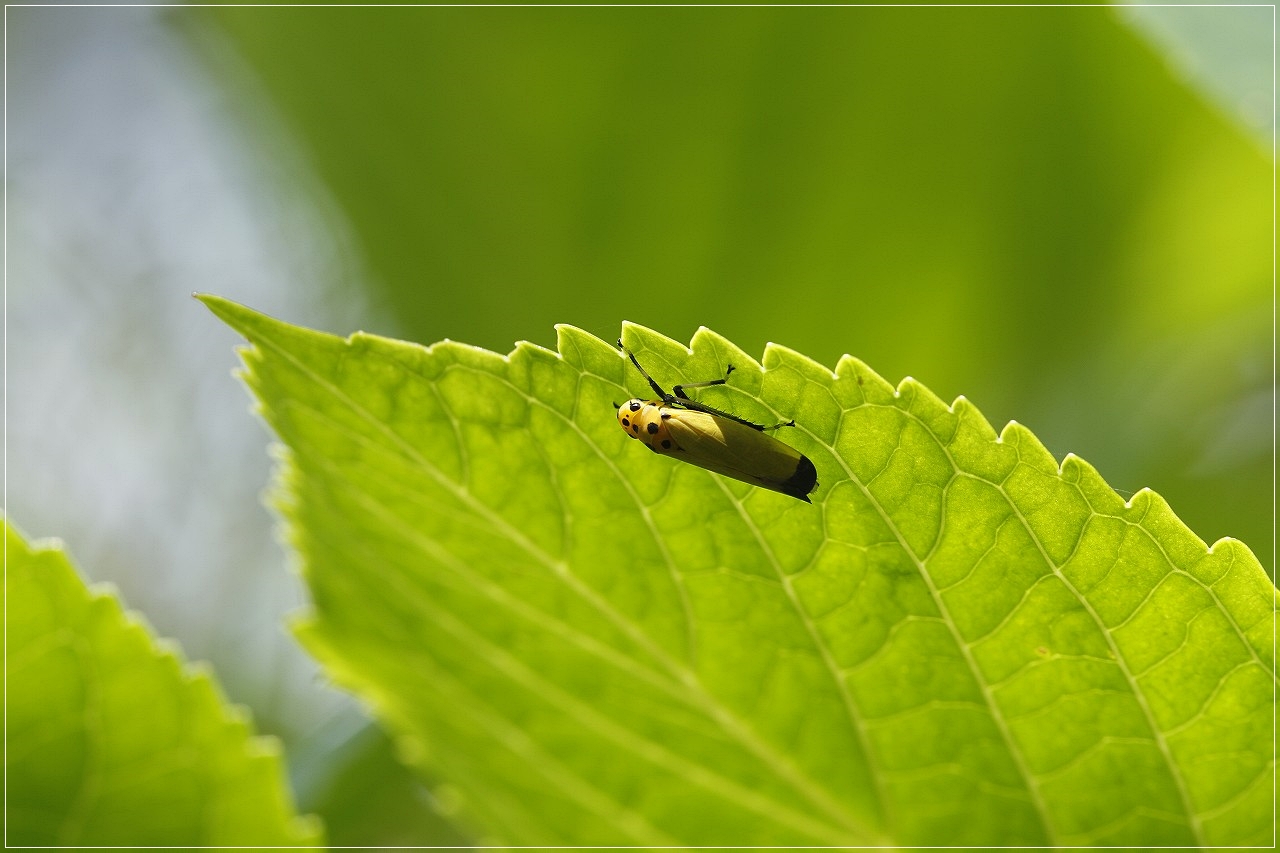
x,y
111,740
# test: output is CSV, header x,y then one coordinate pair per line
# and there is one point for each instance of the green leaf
x,y
959,642
111,740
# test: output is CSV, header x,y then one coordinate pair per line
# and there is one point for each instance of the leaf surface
x,y
960,642
111,740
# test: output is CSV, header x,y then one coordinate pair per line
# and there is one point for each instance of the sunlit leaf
x,y
111,740
960,642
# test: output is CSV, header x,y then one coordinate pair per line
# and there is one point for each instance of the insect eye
x,y
635,405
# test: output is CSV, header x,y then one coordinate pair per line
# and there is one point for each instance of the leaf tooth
x,y
1030,450
654,349
971,417
1179,542
656,340
1147,508
1086,477
1073,464
1233,544
921,394
407,352
916,398
726,351
854,371
575,345
640,329
1139,500
526,349
471,356
776,355
1101,497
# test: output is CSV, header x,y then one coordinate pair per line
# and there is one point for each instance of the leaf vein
x,y
851,710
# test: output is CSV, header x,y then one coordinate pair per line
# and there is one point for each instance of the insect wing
x,y
738,451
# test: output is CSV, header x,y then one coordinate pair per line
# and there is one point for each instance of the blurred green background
x,y
1016,204
1064,214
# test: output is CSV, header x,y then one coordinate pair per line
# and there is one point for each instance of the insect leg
x,y
657,389
689,403
695,406
779,426
679,389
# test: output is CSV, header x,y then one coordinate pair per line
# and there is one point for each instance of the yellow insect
x,y
675,425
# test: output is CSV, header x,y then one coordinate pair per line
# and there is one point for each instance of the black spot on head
x,y
635,428
652,427
635,405
626,422
666,444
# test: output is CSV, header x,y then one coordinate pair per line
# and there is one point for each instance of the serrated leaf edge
x,y
1010,433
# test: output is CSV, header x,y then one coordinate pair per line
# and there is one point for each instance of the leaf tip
x,y
253,326
231,313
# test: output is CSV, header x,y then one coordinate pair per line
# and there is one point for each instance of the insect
x,y
676,425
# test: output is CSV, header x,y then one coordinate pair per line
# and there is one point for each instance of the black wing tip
x,y
800,484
